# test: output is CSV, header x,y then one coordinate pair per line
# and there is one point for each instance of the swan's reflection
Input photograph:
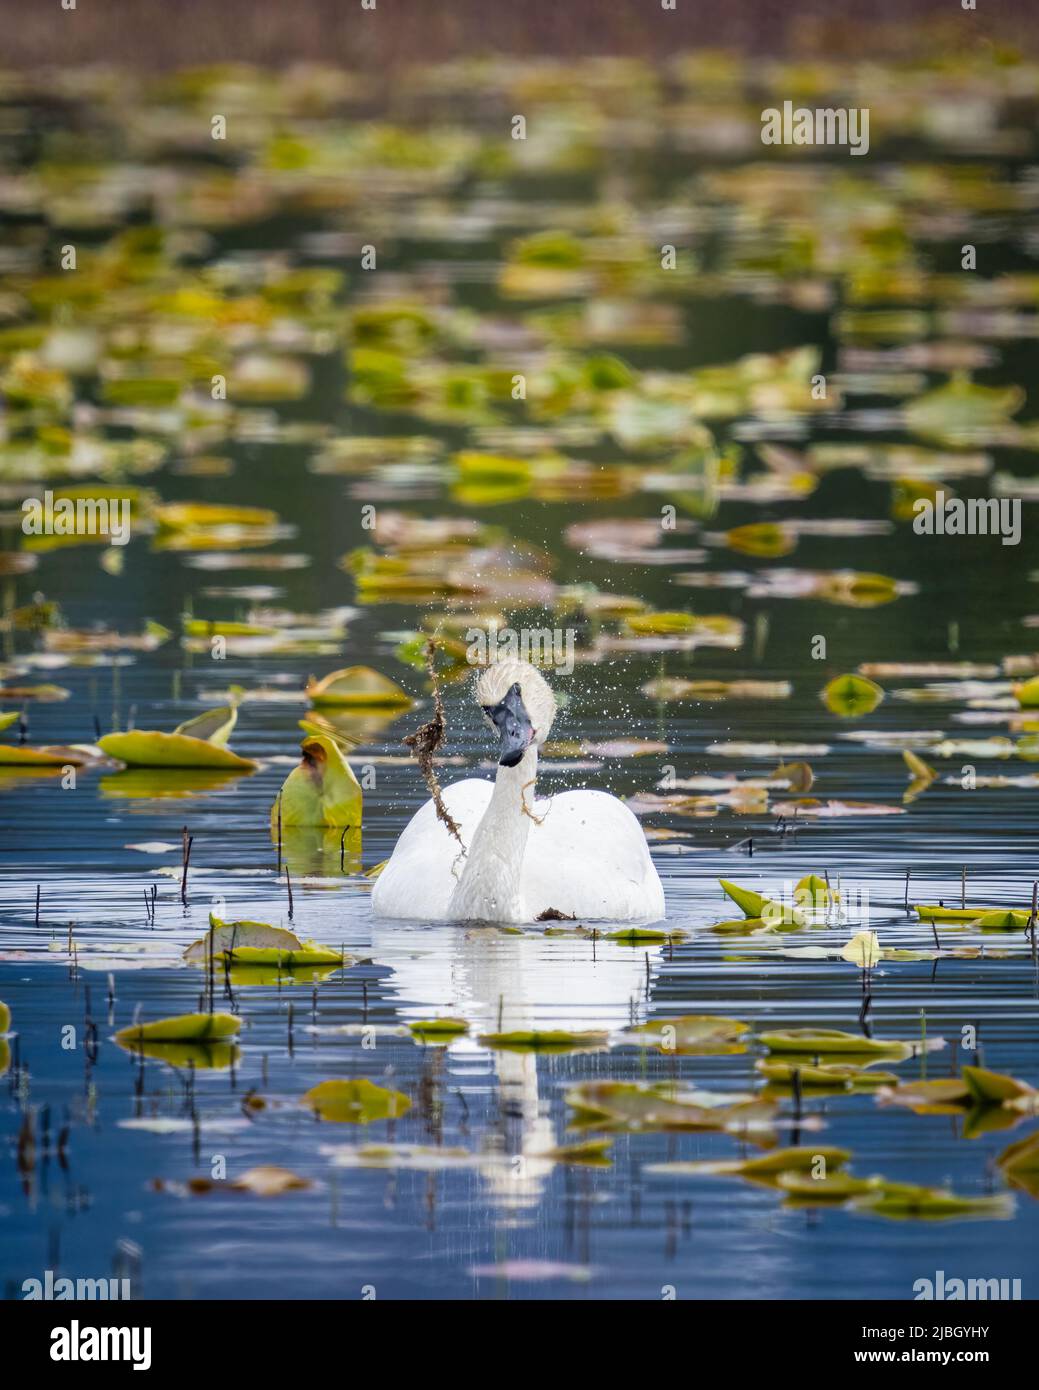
x,y
504,983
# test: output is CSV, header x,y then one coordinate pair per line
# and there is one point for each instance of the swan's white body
x,y
582,853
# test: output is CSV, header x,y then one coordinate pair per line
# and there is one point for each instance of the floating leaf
x,y
826,810
922,775
1003,920
804,1190
228,936
149,748
852,696
824,1074
863,950
992,1087
357,687
438,1029
553,1040
595,1152
812,1041
21,755
961,412
321,791
1021,1157
192,1028
664,1106
944,1096
705,1034
421,1157
765,1168
749,902
903,1201
928,912
814,894
215,726
355,1102
638,936
766,539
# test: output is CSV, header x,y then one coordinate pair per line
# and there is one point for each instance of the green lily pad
x,y
638,936
557,1040
852,696
438,1029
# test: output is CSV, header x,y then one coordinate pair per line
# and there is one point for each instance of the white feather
x,y
581,852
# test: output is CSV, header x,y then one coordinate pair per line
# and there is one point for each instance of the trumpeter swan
x,y
581,852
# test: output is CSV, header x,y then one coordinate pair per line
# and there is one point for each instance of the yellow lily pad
x,y
215,726
1021,1156
357,686
438,1029
928,912
863,950
819,1041
150,748
193,1028
322,790
765,1168
1003,920
993,1087
355,1102
21,755
814,894
904,1201
199,1056
229,936
823,1074
804,1190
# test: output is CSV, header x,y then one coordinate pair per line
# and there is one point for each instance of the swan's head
x,y
518,704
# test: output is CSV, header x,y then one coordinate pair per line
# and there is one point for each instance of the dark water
x,y
614,1231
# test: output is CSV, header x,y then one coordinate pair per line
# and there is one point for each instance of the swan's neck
x,y
489,889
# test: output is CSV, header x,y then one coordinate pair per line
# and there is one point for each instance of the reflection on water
x,y
384,481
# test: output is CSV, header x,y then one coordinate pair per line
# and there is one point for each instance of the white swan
x,y
582,852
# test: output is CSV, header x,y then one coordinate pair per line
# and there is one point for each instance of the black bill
x,y
511,720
